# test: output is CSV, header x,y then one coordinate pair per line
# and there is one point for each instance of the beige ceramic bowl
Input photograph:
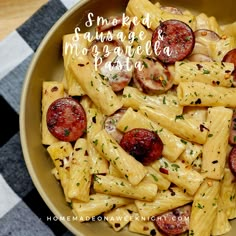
x,y
48,65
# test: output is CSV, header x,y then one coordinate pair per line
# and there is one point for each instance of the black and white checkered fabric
x,y
22,210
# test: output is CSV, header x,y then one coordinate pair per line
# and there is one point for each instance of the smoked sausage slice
x,y
113,65
174,222
154,78
143,144
66,119
172,41
232,160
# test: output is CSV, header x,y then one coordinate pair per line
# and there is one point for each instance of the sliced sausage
x,y
118,71
231,57
143,144
232,136
174,222
232,160
109,23
110,125
172,41
66,119
114,66
203,37
154,78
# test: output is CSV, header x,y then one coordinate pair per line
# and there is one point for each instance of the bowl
x,y
47,65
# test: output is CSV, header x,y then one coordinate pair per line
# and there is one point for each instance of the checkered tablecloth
x,y
22,210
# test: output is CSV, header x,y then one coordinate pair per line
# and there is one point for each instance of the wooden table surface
x,y
13,13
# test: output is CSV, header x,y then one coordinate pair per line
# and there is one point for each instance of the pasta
x,y
156,136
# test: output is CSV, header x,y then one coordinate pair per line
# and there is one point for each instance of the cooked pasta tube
x,y
191,152
80,177
184,127
154,176
143,8
205,22
221,224
72,51
95,119
199,113
60,153
215,149
173,146
98,203
222,46
128,166
228,194
204,208
213,73
118,218
52,90
134,98
229,29
165,200
95,86
114,172
121,187
180,174
201,94
131,207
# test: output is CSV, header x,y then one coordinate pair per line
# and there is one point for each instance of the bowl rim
x,y
22,112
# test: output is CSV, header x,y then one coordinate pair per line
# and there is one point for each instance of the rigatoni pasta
x,y
156,136
202,94
215,148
